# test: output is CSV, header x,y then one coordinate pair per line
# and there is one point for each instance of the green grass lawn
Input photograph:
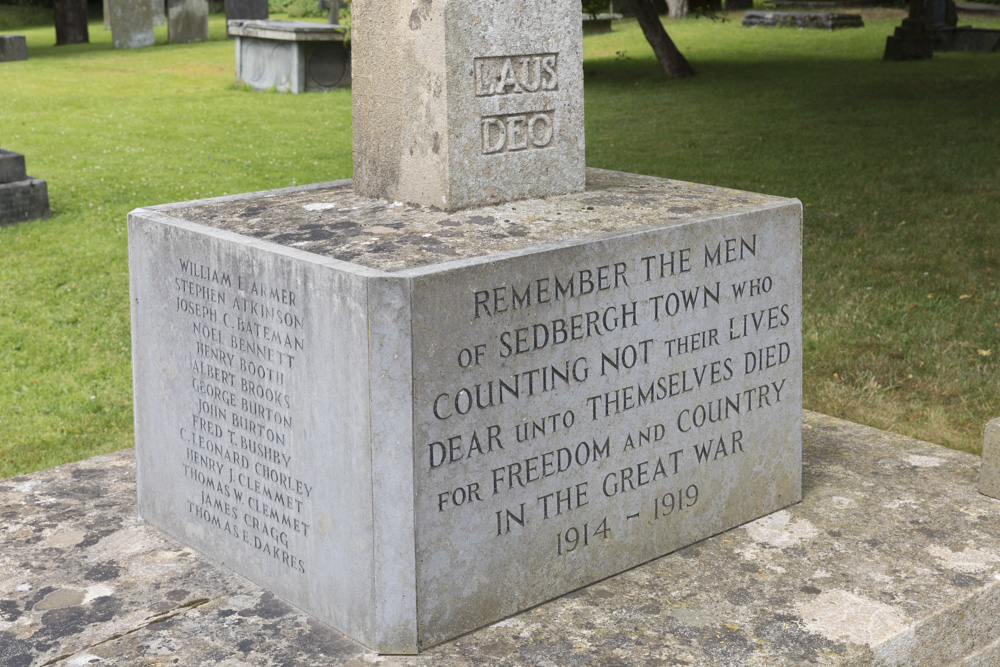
x,y
897,165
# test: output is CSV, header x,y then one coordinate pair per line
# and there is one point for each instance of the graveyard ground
x,y
895,163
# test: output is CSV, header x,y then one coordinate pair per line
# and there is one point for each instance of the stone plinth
x,y
598,24
187,21
291,56
463,103
131,24
891,559
412,424
823,20
21,196
13,47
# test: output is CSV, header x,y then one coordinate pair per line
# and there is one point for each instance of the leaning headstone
x,y
411,422
187,21
71,22
243,10
989,472
13,47
21,196
131,24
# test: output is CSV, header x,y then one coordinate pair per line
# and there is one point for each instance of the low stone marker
x,y
71,22
291,56
989,472
412,421
131,24
187,21
21,196
12,48
822,20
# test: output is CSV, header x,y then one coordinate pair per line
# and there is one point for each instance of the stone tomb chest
x,y
413,423
291,56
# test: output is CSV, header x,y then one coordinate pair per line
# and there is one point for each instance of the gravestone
x,y
412,419
187,21
12,48
243,10
131,24
822,20
71,22
21,196
159,11
291,56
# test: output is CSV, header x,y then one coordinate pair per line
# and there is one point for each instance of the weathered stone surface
x,y
187,21
23,200
291,56
11,167
13,47
824,20
159,11
242,10
989,473
892,558
131,24
565,388
463,103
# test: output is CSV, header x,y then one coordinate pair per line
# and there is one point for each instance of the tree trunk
x,y
71,22
672,61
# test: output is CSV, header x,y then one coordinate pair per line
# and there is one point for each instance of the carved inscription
x,y
246,338
593,398
517,132
516,75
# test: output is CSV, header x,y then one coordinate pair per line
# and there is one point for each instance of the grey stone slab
x,y
23,200
823,20
246,9
465,103
291,56
187,21
159,11
252,409
892,558
989,474
529,409
11,167
12,48
131,24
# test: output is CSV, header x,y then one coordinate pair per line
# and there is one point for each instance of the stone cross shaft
x,y
463,103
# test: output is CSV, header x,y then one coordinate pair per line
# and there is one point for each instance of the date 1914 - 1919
x,y
573,538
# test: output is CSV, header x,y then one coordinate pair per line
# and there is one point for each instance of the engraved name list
x,y
246,339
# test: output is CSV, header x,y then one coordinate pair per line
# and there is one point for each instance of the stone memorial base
x,y
892,558
822,20
291,56
13,47
412,423
967,39
598,24
21,196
